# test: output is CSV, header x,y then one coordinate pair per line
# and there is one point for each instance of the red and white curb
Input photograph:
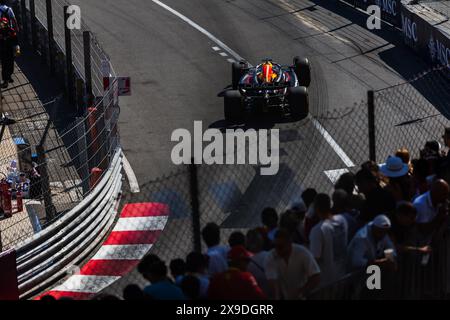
x,y
137,229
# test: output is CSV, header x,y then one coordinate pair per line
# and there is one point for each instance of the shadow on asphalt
x,y
399,57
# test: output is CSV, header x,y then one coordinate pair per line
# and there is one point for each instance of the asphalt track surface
x,y
177,72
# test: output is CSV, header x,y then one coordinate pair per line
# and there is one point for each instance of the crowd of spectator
x,y
374,217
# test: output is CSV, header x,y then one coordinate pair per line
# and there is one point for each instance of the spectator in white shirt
x,y
217,253
291,269
432,207
328,241
255,244
370,244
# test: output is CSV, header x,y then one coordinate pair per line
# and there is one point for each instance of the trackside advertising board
x,y
431,42
390,9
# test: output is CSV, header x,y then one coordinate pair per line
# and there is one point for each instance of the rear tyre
x,y
233,107
237,72
298,102
302,69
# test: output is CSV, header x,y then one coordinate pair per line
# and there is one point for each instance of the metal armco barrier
x,y
45,258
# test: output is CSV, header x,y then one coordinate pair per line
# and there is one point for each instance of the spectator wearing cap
x,y
236,283
269,219
197,266
328,241
370,244
217,253
291,269
160,288
299,209
432,207
255,245
378,201
400,185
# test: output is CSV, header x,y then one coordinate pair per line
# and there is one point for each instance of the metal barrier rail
x,y
46,258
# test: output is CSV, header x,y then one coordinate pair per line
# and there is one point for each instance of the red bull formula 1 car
x,y
268,86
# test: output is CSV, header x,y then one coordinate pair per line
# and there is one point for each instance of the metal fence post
x,y
50,210
34,40
371,118
82,149
69,67
23,9
50,36
88,66
195,204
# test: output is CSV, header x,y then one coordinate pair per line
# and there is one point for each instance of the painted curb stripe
x,y
122,252
86,284
133,237
141,224
144,210
108,267
139,227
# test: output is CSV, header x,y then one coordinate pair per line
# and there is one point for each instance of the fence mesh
x,y
52,157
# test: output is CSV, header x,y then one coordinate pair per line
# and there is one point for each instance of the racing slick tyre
x,y
237,72
233,107
298,102
302,69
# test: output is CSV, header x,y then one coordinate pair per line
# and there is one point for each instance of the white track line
x,y
134,185
202,30
333,144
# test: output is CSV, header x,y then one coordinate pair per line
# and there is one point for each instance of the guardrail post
x,y
50,210
371,118
195,204
34,39
23,10
50,36
82,149
88,66
79,90
69,67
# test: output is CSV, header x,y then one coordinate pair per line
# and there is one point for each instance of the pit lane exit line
x,y
328,138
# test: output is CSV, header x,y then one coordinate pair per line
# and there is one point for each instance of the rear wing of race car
x,y
265,86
